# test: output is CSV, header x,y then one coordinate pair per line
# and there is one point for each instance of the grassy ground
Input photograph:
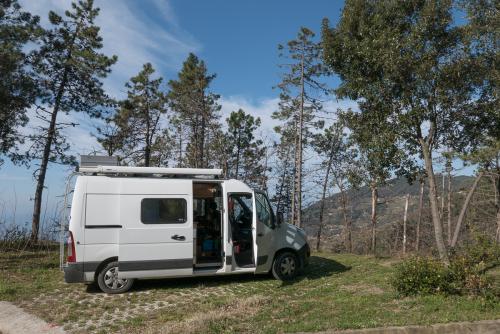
x,y
337,291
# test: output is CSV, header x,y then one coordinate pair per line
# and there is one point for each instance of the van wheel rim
x,y
112,281
288,266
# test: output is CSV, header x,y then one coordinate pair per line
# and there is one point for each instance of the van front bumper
x,y
73,273
304,255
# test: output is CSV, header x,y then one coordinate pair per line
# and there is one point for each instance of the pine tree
x,y
196,109
110,138
283,172
141,121
299,102
17,87
245,152
69,71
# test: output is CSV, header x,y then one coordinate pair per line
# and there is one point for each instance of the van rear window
x,y
163,211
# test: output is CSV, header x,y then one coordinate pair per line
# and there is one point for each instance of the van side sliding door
x,y
157,235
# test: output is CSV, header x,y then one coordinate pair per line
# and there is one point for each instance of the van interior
x,y
207,207
208,228
240,217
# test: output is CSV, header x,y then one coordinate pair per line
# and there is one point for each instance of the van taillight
x,y
71,248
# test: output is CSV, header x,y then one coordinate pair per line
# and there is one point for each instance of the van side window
x,y
163,211
264,211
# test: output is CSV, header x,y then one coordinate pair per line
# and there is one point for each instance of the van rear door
x,y
157,235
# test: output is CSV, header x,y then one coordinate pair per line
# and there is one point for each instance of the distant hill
x,y
390,205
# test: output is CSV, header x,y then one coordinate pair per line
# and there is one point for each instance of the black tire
x,y
286,266
108,281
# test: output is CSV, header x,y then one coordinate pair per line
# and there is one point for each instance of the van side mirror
x,y
279,217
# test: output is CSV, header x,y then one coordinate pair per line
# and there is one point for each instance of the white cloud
x,y
135,38
331,106
262,108
132,35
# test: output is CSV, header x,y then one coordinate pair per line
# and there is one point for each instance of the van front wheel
x,y
109,282
285,266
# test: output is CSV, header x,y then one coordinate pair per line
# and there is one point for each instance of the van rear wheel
x,y
285,266
109,282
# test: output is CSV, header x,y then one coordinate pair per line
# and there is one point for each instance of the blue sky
x,y
237,39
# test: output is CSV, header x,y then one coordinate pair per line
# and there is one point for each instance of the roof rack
x,y
153,171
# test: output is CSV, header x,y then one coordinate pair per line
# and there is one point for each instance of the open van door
x,y
156,239
266,225
241,218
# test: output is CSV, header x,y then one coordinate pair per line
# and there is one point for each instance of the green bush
x,y
426,275
423,275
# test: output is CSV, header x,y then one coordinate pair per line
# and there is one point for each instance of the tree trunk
x,y
322,207
433,199
238,150
299,155
461,217
179,129
449,206
294,184
147,149
347,222
374,218
441,212
201,148
405,218
35,224
263,180
496,186
147,155
420,207
497,237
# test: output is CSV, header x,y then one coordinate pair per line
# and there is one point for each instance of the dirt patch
x,y
389,262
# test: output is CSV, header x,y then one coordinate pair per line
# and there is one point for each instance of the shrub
x,y
13,237
426,275
423,275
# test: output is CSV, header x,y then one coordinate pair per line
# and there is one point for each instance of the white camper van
x,y
132,223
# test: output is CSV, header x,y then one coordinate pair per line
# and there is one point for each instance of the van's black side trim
x,y
103,226
155,264
229,259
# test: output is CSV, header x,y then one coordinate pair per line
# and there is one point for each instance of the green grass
x,y
337,291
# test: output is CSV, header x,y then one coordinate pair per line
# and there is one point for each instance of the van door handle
x,y
260,234
178,237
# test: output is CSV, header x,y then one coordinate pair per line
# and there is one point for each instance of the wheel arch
x,y
102,265
287,249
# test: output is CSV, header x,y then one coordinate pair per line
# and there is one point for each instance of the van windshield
x,y
263,209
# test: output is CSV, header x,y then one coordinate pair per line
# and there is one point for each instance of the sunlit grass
x,y
337,291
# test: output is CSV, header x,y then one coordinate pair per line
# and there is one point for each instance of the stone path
x,y
14,320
